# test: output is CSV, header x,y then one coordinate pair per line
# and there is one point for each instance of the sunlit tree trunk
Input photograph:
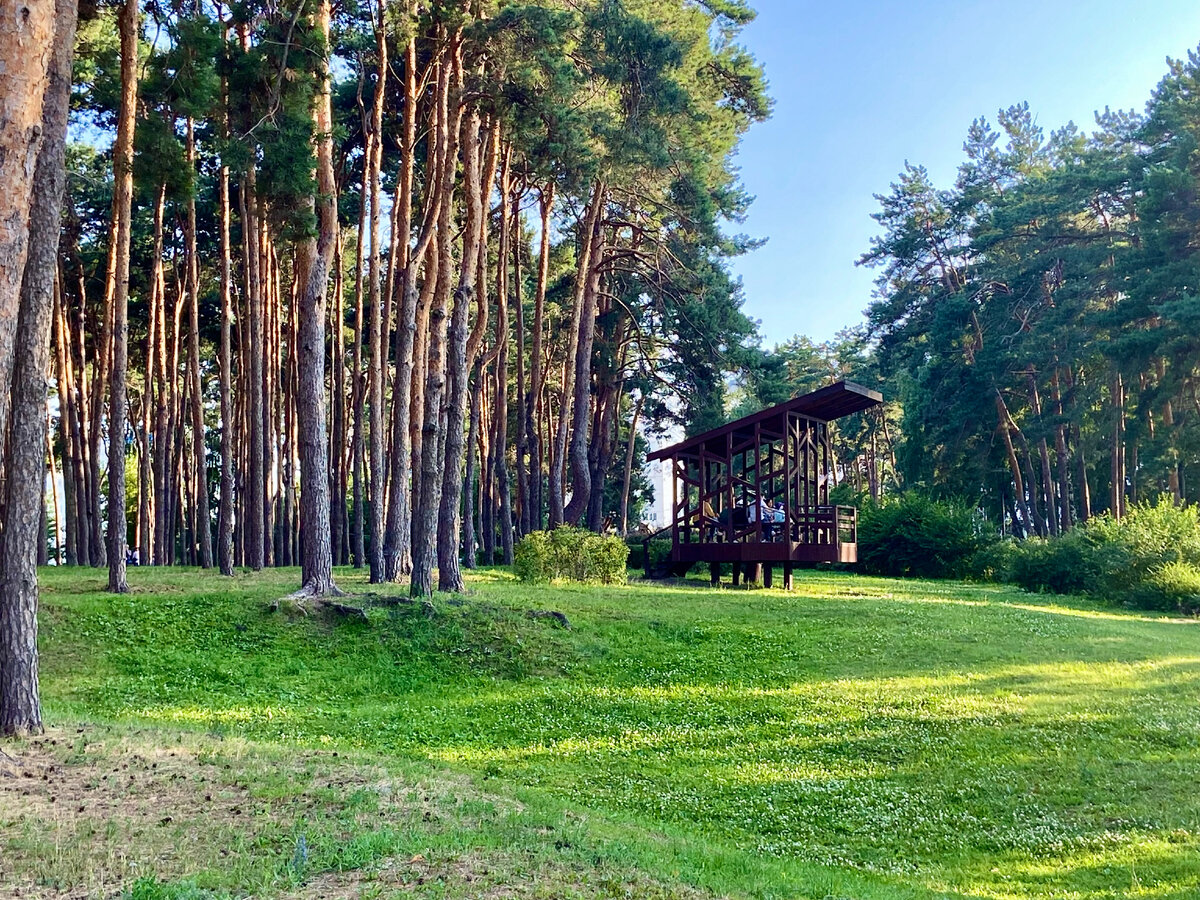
x,y
26,41
122,210
313,260
24,429
457,366
425,512
585,320
225,510
533,400
375,362
199,465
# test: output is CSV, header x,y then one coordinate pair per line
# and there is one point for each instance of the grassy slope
x,y
860,738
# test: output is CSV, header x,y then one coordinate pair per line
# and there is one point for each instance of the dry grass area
x,y
86,812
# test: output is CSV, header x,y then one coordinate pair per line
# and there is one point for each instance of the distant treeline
x,y
1037,322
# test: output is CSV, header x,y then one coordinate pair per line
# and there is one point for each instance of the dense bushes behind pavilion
x,y
1149,559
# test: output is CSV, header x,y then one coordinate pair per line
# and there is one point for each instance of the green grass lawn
x,y
859,738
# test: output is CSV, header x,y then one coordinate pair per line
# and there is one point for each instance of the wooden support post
x,y
789,581
737,574
754,573
768,575
714,574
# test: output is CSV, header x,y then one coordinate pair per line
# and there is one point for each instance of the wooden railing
x,y
646,549
816,525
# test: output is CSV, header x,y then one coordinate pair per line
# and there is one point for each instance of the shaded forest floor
x,y
860,738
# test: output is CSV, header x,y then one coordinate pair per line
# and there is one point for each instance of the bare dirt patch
x,y
85,812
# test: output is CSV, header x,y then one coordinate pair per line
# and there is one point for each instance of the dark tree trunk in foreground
x,y
585,318
428,497
313,260
122,208
26,38
375,337
458,369
203,538
225,510
20,707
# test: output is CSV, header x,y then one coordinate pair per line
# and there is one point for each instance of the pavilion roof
x,y
827,404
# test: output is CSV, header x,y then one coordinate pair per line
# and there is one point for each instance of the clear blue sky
x,y
860,87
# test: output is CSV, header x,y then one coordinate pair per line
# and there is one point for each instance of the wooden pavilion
x,y
755,492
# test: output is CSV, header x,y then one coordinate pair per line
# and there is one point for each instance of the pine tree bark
x,y
398,537
425,513
1117,500
458,366
470,490
199,464
568,393
338,476
122,208
522,441
375,336
66,425
533,400
26,47
1006,426
25,428
253,499
588,276
225,509
1062,456
314,258
1048,492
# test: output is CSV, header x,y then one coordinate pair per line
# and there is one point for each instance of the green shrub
x,y
570,554
912,535
1150,536
533,557
1064,565
1150,558
996,559
660,551
1172,587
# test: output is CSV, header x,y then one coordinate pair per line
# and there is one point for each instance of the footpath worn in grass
x,y
860,738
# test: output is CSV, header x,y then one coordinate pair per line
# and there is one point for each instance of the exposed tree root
x,y
558,617
310,601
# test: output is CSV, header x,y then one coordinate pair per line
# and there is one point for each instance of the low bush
x,y
1150,558
660,551
1173,587
914,536
570,554
1064,565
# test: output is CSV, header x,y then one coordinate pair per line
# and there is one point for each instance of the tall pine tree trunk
x,y
374,161
503,490
1006,425
24,429
588,275
226,506
253,498
533,400
398,536
26,42
122,209
313,280
568,392
425,513
199,465
457,366
1117,502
